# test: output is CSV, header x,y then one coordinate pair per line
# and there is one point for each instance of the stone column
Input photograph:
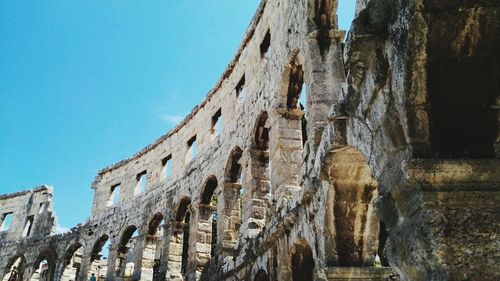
x,y
139,247
204,241
85,267
231,218
148,257
260,186
286,155
112,256
164,256
175,251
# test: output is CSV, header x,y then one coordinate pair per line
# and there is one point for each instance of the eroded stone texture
x,y
388,166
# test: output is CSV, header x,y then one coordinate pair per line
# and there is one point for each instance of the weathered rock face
x,y
389,165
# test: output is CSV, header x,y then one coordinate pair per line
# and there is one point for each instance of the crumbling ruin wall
x,y
311,159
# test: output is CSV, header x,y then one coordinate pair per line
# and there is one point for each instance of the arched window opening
x,y
72,263
153,249
208,214
44,266
232,199
296,99
261,276
15,269
295,85
302,262
260,173
179,242
99,258
126,252
261,139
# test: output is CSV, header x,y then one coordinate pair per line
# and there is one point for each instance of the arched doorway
x,y
260,184
15,269
179,242
99,258
72,263
302,261
126,251
44,266
232,216
153,247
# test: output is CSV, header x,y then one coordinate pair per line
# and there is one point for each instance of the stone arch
x,y
351,225
96,255
155,223
207,225
44,266
72,262
302,261
126,248
290,131
261,276
261,132
15,268
232,202
260,185
153,248
179,242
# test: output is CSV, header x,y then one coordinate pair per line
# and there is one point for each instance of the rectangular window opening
x,y
142,182
241,89
217,123
6,221
265,46
192,147
42,208
167,166
28,226
114,195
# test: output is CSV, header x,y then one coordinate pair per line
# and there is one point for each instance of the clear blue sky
x,y
84,84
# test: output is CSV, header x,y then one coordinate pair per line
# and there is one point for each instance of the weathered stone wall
x,y
336,187
31,214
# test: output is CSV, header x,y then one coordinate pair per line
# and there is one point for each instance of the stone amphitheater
x,y
314,157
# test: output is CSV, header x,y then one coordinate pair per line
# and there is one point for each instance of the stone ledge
x,y
453,174
358,273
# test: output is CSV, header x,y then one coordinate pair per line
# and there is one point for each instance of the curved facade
x,y
311,159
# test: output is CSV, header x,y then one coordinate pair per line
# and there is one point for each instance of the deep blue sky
x,y
84,84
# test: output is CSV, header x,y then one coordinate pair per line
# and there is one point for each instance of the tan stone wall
x,y
288,209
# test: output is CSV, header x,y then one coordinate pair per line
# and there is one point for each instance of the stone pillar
x,y
231,218
85,266
204,241
139,248
165,255
148,257
259,186
325,77
286,154
112,256
175,251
